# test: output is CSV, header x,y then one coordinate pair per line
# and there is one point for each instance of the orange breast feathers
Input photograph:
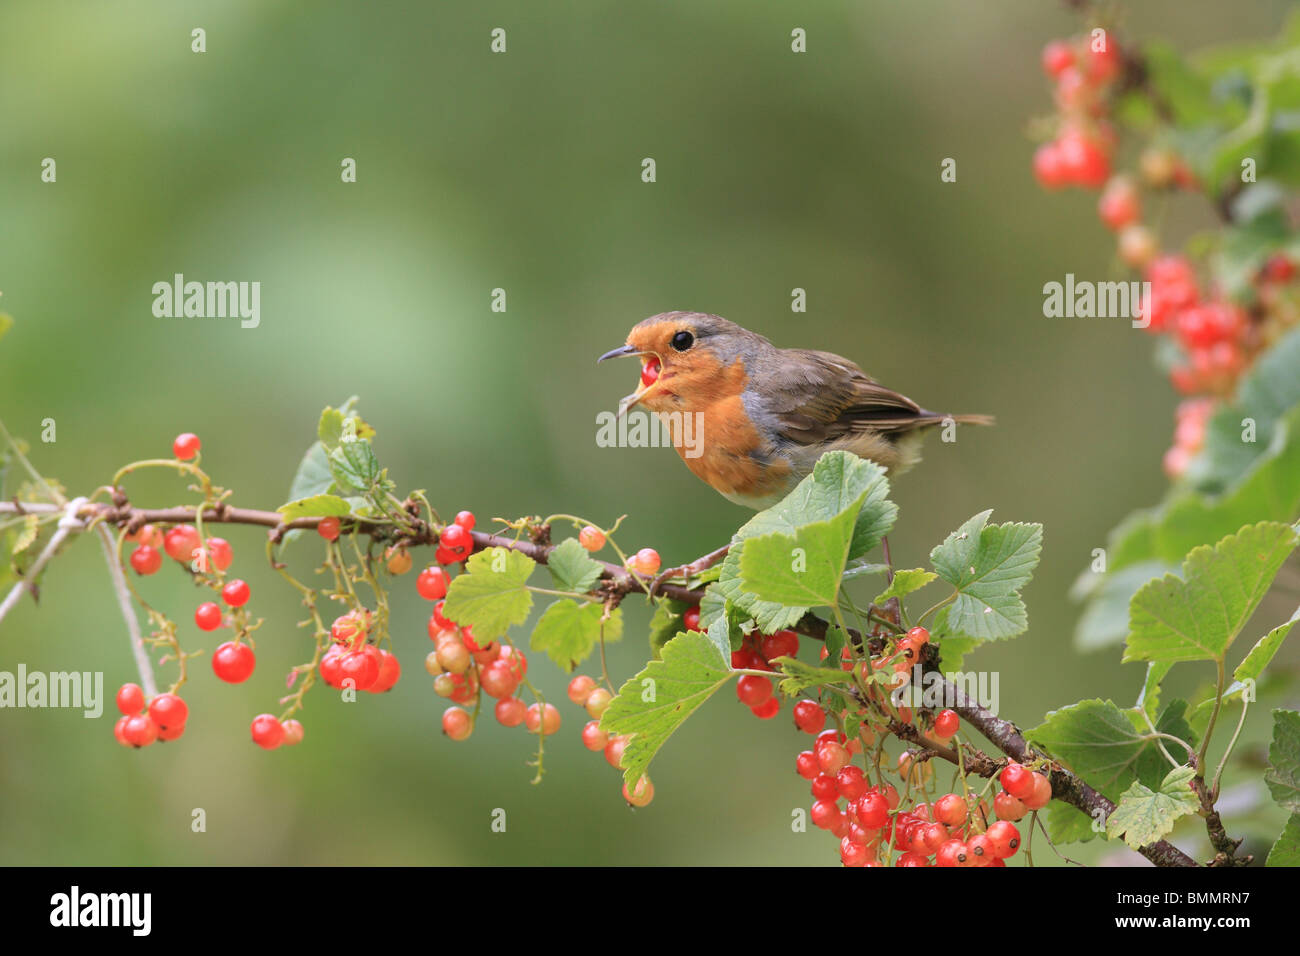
x,y
728,451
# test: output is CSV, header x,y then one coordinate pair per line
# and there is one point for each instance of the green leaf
x,y
804,569
354,466
313,476
491,596
837,481
800,676
836,641
1144,815
905,582
572,568
568,631
1198,616
1068,824
654,703
953,650
1149,699
1254,662
1097,741
1152,765
1283,774
665,623
1286,851
317,506
26,536
332,430
988,565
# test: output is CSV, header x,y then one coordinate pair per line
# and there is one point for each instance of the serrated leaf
x,y
1253,664
837,481
491,596
1144,815
572,568
720,636
1198,616
332,429
1097,741
803,569
653,704
1286,851
354,466
317,506
953,651
1149,698
905,582
313,476
988,565
1283,774
800,676
1068,824
568,631
836,641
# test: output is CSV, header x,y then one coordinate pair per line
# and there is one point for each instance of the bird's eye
x,y
682,341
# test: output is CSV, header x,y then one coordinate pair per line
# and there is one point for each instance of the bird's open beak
x,y
627,401
620,352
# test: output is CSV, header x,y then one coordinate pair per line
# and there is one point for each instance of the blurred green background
x,y
522,171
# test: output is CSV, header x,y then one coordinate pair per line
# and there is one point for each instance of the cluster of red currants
x,y
352,661
586,693
1083,70
164,719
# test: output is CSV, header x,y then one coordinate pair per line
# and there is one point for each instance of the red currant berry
x,y
465,519
853,854
455,538
328,528
650,371
542,717
805,765
851,783
872,810
825,814
267,731
130,699
140,730
780,644
1017,781
119,731
235,593
498,679
591,538
181,542
1057,55
457,723
397,560
168,711
809,716
580,689
981,850
431,584
443,622
950,809
1008,807
690,619
593,738
293,732
753,690
1041,794
330,666
598,702
390,670
146,560
953,853
1119,205
207,616
614,751
768,709
510,711
146,534
359,667
1048,168
233,663
947,723
646,561
641,794
824,787
220,552
1004,839
186,446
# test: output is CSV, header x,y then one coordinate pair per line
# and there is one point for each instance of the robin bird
x,y
765,415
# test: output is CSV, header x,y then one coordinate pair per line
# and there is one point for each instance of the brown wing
x,y
819,396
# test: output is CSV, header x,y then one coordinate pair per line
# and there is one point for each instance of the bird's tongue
x,y
650,371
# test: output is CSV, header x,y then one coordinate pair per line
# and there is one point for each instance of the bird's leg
x,y
687,571
889,562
